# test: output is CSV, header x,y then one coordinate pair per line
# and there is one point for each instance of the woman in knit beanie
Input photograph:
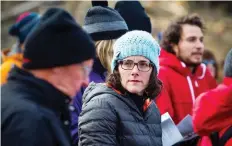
x,y
23,26
122,111
104,25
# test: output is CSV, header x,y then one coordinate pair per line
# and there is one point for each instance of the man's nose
x,y
200,45
86,82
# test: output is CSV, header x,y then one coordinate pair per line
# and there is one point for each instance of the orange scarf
x,y
146,104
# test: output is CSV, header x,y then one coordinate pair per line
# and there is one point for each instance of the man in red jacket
x,y
183,75
212,110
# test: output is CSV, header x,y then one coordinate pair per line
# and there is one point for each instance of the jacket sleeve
x,y
164,101
97,123
77,103
25,128
212,110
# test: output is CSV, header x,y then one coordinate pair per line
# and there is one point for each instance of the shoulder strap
x,y
226,136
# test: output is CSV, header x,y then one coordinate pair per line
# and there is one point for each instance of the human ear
x,y
175,49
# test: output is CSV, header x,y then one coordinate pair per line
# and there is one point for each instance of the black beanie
x,y
57,40
104,23
134,15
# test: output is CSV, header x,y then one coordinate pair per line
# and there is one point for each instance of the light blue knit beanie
x,y
136,43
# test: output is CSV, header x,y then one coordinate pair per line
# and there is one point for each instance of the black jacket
x,y
108,118
34,113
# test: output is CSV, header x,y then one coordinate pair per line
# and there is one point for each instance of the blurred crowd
x,y
109,81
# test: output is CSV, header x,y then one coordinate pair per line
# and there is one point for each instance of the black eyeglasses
x,y
143,66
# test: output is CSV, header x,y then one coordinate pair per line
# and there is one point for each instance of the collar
x,y
199,73
171,61
43,92
145,104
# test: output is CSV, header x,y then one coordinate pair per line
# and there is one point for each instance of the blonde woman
x,y
105,52
104,25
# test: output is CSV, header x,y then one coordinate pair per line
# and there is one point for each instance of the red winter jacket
x,y
213,112
181,87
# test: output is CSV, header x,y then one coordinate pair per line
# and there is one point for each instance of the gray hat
x,y
228,64
104,23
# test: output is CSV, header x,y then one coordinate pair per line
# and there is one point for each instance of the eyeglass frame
x,y
120,62
86,69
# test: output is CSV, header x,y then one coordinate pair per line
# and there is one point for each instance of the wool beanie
x,y
104,23
136,43
228,64
24,24
57,40
134,15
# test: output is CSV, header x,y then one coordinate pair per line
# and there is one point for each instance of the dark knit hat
x,y
104,23
24,24
57,40
228,64
134,15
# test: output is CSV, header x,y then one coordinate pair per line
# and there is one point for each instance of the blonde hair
x,y
104,49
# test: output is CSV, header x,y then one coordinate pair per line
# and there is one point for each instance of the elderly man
x,y
57,59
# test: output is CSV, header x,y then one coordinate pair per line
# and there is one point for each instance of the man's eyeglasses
x,y
86,69
143,66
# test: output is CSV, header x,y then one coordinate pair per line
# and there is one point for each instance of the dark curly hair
x,y
151,91
172,34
